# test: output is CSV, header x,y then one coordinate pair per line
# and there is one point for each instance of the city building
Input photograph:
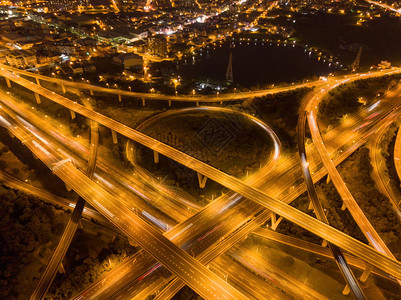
x,y
157,45
21,58
129,60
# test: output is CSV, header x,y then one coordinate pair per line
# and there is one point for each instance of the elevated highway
x,y
55,261
318,208
328,233
178,98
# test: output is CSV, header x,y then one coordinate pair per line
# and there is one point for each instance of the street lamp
x,y
108,86
129,88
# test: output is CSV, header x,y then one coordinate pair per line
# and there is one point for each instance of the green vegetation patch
x,y
348,98
29,231
280,111
227,141
377,208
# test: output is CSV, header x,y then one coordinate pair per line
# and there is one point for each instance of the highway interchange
x,y
245,213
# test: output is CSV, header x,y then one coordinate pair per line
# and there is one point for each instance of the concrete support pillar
x,y
346,290
8,83
275,221
343,207
169,103
197,103
221,102
72,114
132,242
324,243
202,180
156,157
91,92
310,206
61,268
328,179
114,135
365,274
37,97
38,81
80,226
119,98
63,88
143,102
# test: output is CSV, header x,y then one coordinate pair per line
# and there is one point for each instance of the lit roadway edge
x,y
194,274
51,270
397,156
378,173
357,214
185,98
385,6
314,248
292,214
318,209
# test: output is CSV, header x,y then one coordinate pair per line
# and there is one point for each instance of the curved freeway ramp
x,y
318,208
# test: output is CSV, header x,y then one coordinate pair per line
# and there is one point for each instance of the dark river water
x,y
254,64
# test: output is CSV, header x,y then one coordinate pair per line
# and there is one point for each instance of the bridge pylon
x,y
229,73
355,64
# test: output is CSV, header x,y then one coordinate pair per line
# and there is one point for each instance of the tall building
x,y
157,45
